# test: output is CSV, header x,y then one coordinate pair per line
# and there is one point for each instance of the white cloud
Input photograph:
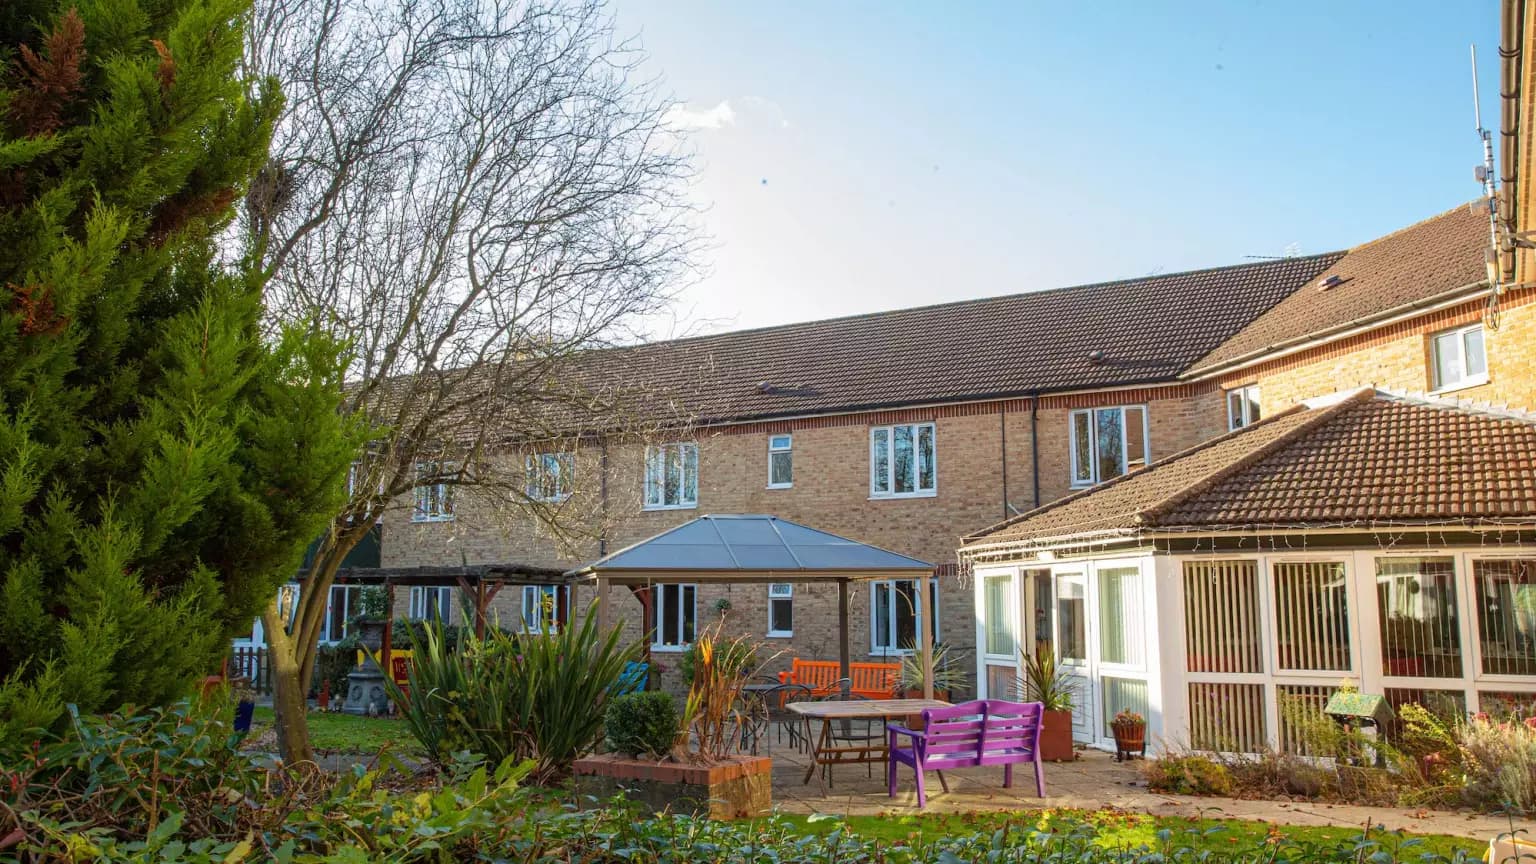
x,y
680,116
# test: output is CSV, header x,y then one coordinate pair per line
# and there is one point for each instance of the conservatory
x,y
1368,538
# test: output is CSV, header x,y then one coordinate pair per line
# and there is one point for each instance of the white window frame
x,y
658,642
781,592
889,433
655,491
561,465
892,650
418,606
1093,443
781,444
1248,399
535,594
433,501
1437,382
326,636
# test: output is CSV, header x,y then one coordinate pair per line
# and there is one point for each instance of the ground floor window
x,y
540,608
1418,616
1071,620
346,603
1121,616
1505,592
676,616
431,603
1221,614
781,609
1312,616
894,610
997,597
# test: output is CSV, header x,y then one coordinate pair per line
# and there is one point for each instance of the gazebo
x,y
758,549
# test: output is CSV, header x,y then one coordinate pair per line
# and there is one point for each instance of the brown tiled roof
x,y
1149,330
1421,262
1371,458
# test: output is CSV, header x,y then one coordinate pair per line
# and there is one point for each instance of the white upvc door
x,y
1119,615
1074,634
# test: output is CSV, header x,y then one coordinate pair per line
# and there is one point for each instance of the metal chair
x,y
868,733
777,713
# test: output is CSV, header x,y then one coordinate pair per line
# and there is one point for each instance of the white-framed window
x,y
430,602
1242,407
781,461
998,612
1457,358
1108,442
550,476
781,609
672,476
540,609
901,461
676,616
894,611
434,498
344,604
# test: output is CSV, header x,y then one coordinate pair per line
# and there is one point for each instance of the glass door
x,y
1072,635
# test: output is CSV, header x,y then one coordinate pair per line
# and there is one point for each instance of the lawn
x,y
1114,829
348,733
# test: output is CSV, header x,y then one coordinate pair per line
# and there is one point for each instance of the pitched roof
x,y
1369,458
1442,254
1149,330
743,545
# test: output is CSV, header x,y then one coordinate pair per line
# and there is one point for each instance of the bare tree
x,y
474,194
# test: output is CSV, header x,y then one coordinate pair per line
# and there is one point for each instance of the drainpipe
x,y
1510,63
1002,432
602,537
1034,442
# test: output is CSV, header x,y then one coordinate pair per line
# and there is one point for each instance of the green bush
x,y
333,663
644,723
514,696
1188,775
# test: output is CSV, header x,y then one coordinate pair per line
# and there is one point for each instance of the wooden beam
x,y
843,656
925,604
387,648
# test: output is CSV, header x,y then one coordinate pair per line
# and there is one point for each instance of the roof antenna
x,y
1485,176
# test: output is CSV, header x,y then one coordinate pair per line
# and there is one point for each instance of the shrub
x,y
1499,765
334,663
643,723
735,655
514,696
1188,775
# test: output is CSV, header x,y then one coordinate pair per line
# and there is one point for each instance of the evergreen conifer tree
x,y
163,461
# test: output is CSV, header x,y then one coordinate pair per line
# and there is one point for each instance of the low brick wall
x,y
738,787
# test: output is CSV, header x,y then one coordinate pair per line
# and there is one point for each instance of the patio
x,y
1094,782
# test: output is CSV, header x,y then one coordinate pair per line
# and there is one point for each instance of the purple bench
x,y
968,735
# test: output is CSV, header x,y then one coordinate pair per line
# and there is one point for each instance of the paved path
x,y
1095,782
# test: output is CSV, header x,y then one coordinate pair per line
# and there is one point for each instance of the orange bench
x,y
874,680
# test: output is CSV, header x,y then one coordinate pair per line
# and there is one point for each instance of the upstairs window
x,y
1457,359
1108,442
781,609
431,603
901,461
781,464
549,476
672,476
434,498
1242,407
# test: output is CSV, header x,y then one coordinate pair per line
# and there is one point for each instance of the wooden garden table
x,y
823,754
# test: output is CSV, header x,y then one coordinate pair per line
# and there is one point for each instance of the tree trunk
x,y
288,691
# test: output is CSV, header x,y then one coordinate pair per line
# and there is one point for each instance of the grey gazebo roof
x,y
756,548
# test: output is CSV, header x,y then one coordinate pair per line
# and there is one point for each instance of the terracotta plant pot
x,y
1056,737
1130,739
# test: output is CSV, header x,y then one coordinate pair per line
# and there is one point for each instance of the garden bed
x,y
732,787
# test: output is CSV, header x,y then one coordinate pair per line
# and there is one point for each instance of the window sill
x,y
422,520
668,649
693,506
780,635
1466,384
558,499
780,486
902,496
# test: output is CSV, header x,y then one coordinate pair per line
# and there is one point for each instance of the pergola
x,y
759,549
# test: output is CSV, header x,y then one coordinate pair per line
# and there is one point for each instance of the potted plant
x,y
1045,683
372,616
688,761
948,676
1130,730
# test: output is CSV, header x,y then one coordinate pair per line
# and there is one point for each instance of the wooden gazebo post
x,y
925,624
842,629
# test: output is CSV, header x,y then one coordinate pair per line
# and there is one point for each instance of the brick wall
x,y
830,492
1396,357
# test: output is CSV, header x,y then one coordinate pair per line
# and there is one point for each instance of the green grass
x,y
349,733
1115,829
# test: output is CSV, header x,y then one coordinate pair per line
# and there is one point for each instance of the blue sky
x,y
865,156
